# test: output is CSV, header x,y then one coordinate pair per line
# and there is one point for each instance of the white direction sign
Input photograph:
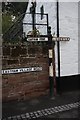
x,y
37,39
46,39
21,70
60,38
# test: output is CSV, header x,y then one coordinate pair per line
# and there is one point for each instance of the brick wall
x,y
21,86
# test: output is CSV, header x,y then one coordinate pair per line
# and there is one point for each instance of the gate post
x,y
52,76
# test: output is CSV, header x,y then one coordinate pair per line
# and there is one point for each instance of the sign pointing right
x,y
60,39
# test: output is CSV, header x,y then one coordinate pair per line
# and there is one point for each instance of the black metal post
x,y
33,18
47,23
33,10
58,46
50,48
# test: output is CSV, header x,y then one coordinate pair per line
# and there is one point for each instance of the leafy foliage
x,y
15,8
10,13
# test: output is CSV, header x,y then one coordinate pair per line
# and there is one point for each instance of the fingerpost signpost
x,y
33,37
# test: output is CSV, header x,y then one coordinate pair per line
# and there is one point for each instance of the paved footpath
x,y
43,107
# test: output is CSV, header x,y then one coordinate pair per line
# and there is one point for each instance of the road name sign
x,y
46,39
61,38
37,39
21,70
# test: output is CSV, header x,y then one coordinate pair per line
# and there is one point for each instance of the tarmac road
x,y
65,106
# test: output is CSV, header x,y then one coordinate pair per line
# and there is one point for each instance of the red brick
x,y
42,60
12,97
13,61
15,51
45,68
4,63
26,85
43,77
6,50
23,51
27,60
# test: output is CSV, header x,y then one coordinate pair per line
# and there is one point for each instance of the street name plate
x,y
60,38
21,70
46,39
37,39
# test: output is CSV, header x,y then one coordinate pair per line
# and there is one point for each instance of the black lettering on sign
x,y
20,70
